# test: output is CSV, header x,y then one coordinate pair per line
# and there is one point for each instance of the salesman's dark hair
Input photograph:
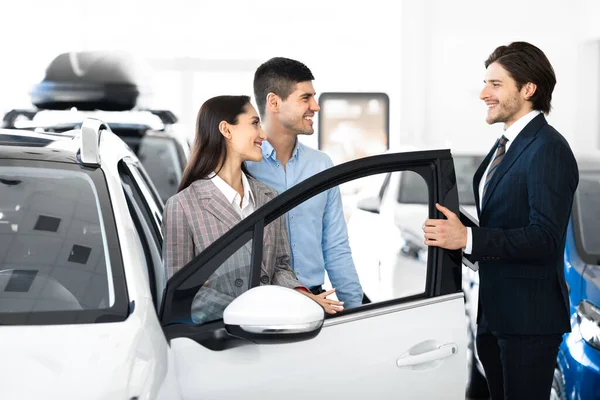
x,y
527,63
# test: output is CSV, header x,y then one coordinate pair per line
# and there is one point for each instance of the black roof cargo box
x,y
93,81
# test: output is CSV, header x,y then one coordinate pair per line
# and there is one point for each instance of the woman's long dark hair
x,y
210,149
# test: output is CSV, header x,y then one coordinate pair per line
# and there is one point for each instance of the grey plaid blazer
x,y
200,214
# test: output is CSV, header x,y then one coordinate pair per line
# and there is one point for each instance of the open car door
x,y
273,342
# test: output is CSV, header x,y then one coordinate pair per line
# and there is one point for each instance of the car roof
x,y
80,146
25,118
146,122
30,145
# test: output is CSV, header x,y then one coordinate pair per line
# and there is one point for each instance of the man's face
x,y
298,110
505,103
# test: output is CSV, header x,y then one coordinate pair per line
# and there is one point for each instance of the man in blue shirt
x,y
318,236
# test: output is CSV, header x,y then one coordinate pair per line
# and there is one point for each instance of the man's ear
x,y
273,102
224,129
529,90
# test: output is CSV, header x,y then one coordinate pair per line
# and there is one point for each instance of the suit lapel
x,y
479,174
522,141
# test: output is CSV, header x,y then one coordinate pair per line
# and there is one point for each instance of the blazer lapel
x,y
522,141
260,196
479,174
216,203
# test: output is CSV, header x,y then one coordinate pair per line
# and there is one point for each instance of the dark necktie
x,y
500,151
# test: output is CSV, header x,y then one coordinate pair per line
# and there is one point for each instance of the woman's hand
x,y
331,306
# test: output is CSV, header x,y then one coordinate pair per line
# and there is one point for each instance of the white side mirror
x,y
273,314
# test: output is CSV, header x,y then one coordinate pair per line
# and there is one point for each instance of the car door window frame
x,y
443,266
143,175
153,207
146,223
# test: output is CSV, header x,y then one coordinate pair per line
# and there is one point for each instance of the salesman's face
x,y
505,103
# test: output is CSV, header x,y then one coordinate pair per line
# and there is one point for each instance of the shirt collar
x,y
269,151
230,193
513,130
248,195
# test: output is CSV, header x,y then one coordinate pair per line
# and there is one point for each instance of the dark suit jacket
x,y
521,239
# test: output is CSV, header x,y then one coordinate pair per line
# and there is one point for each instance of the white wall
x,y
461,34
426,54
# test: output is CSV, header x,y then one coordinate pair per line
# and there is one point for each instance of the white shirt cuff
x,y
469,247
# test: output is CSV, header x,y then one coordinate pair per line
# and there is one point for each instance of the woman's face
x,y
247,136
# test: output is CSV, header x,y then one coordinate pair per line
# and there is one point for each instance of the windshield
x,y
413,189
53,244
587,204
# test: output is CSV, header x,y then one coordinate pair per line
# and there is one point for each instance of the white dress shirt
x,y
243,206
511,134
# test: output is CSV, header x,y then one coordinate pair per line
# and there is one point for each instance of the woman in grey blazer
x,y
216,192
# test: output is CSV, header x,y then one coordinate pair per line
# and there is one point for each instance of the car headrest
x,y
25,290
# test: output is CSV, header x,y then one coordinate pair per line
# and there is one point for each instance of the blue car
x,y
577,374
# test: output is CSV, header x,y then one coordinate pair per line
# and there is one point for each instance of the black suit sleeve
x,y
551,182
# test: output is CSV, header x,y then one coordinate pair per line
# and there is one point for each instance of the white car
x,y
85,311
394,262
153,135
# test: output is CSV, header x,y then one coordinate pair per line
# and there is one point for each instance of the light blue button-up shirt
x,y
317,229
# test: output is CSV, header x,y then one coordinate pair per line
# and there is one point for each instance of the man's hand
x,y
330,306
448,233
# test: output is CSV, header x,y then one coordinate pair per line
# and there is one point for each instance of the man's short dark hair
x,y
526,63
280,76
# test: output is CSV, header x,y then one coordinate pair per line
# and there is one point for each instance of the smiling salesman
x,y
524,192
317,230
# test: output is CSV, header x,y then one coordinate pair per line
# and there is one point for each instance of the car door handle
x,y
443,351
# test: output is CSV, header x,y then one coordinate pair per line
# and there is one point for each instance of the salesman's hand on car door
x,y
447,233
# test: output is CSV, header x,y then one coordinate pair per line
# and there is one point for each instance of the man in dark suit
x,y
524,191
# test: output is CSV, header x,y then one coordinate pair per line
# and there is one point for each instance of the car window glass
x,y
385,245
413,190
210,297
53,251
384,242
588,206
387,242
464,169
160,158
